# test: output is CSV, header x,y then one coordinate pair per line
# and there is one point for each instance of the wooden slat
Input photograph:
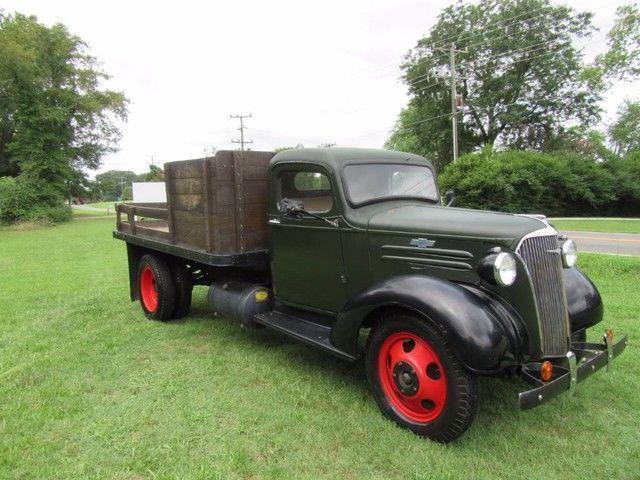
x,y
187,185
152,232
238,159
124,227
219,204
206,202
168,182
161,213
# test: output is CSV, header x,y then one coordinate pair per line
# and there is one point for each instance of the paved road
x,y
620,243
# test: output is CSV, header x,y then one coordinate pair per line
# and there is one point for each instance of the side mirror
x,y
288,207
449,198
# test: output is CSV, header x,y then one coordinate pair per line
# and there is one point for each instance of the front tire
x,y
157,288
417,380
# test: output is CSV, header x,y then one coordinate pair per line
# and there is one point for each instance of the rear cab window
x,y
312,189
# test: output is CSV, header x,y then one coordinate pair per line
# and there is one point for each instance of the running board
x,y
308,332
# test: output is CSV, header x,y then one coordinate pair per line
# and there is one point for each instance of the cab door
x,y
306,252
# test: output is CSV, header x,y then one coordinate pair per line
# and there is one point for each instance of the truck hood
x,y
458,222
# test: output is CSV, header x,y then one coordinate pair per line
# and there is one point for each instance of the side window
x,y
312,189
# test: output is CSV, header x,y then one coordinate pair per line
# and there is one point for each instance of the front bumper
x,y
583,359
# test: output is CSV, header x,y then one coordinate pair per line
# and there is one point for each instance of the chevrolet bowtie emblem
x,y
422,242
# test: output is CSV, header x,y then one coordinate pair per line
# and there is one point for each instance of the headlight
x,y
498,268
504,269
569,253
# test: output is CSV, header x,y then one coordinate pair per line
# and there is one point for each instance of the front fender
x,y
583,300
485,334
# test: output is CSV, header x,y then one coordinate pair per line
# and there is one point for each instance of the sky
x,y
308,72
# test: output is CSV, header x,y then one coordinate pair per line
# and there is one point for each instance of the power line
x,y
454,102
503,23
242,141
490,28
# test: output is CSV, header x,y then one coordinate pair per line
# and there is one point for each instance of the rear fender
x,y
486,334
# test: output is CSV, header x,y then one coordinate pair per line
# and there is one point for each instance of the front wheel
x,y
417,380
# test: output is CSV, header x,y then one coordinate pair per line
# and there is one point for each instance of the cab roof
x,y
335,157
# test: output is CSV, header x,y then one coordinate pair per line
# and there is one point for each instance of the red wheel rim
x,y
148,289
412,377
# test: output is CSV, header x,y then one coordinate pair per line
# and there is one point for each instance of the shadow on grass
x,y
498,393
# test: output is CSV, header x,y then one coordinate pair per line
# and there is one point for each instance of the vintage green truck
x,y
334,245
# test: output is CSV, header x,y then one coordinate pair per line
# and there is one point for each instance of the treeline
x,y
115,185
554,184
528,107
56,120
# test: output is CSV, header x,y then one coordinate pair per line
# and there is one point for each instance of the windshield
x,y
370,182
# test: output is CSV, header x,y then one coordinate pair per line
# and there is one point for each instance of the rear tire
x,y
417,380
184,288
157,288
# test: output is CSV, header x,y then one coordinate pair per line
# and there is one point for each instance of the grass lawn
x,y
97,209
631,225
91,389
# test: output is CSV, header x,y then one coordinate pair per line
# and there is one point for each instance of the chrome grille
x,y
541,255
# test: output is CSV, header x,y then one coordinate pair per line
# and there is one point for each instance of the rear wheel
x,y
184,289
157,288
417,380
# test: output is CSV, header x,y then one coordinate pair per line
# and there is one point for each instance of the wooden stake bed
x,y
216,210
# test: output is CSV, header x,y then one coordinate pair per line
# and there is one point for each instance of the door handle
x,y
274,220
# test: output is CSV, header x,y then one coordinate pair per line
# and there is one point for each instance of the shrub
x,y
530,182
22,200
626,174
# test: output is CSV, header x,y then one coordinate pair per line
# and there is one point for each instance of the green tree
x,y
108,186
155,174
625,132
520,78
622,59
589,142
626,173
127,193
56,119
530,182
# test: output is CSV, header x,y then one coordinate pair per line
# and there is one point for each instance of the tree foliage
x,y
625,131
115,185
535,182
56,119
521,78
626,174
622,59
108,186
30,200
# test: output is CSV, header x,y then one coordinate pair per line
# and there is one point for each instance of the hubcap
x,y
405,378
412,377
148,289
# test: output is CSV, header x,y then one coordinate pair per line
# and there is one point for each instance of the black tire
x,y
184,288
458,407
161,305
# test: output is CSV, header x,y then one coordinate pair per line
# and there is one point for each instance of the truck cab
x,y
359,244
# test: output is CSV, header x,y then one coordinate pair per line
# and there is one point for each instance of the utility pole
x,y
454,102
242,141
121,184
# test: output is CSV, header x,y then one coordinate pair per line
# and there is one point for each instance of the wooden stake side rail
x,y
157,227
215,213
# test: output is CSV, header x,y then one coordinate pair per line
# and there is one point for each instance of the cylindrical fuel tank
x,y
240,301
